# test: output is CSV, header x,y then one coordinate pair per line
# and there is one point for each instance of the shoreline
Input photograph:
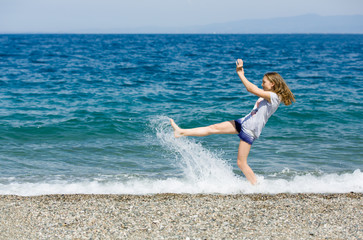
x,y
182,216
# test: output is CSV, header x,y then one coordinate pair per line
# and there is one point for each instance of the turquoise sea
x,y
89,113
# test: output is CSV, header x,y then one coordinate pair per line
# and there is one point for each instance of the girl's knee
x,y
213,128
242,162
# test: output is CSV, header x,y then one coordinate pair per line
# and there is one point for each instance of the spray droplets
x,y
199,165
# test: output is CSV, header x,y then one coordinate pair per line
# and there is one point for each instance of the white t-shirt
x,y
261,112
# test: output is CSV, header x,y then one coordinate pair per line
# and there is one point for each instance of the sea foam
x,y
327,183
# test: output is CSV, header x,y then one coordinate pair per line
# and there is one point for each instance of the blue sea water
x,y
89,113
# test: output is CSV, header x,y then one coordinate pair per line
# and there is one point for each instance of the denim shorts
x,y
242,134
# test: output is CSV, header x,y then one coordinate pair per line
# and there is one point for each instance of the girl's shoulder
x,y
275,99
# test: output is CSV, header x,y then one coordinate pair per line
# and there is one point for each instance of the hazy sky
x,y
74,15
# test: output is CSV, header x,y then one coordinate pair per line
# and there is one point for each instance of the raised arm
x,y
250,87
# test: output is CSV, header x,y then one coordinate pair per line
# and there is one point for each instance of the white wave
x,y
327,183
203,172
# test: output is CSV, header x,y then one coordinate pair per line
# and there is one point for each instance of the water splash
x,y
201,167
197,162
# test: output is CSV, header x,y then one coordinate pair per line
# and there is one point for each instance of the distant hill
x,y
310,23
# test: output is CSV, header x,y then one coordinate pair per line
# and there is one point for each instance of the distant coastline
x,y
303,24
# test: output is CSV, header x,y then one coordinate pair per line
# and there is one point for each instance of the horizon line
x,y
166,33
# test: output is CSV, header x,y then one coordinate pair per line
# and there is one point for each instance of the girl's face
x,y
267,85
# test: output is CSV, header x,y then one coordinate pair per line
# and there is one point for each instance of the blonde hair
x,y
280,88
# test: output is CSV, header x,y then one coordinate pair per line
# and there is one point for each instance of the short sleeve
x,y
275,100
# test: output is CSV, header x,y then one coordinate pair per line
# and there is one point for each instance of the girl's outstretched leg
x,y
243,151
219,128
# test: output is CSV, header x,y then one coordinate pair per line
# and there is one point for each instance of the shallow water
x,y
89,113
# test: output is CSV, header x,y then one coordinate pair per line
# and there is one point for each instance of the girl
x,y
248,128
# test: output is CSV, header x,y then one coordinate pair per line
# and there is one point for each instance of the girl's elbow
x,y
250,89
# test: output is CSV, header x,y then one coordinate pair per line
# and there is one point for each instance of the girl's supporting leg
x,y
219,128
243,151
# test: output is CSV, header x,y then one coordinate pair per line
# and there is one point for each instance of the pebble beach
x,y
182,216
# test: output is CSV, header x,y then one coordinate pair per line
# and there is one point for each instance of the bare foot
x,y
177,129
